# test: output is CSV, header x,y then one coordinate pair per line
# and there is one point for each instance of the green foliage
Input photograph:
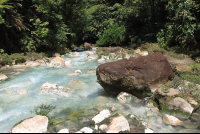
x,y
41,30
161,38
56,122
1,51
113,35
73,46
35,56
43,110
183,24
155,48
19,58
4,5
38,26
5,59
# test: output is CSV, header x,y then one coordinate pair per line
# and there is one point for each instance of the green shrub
x,y
18,58
155,48
35,56
5,59
73,46
113,35
43,110
81,47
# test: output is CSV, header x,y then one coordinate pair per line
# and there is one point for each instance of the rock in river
x,y
57,62
118,124
100,117
76,84
3,77
136,75
37,124
171,120
48,88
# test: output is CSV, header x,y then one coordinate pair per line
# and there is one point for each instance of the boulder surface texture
x,y
136,76
37,124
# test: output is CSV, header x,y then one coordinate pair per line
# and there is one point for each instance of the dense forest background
x,y
47,25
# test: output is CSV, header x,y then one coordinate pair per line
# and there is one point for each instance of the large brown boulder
x,y
87,46
136,75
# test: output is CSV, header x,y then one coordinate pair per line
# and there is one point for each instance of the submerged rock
x,y
13,94
136,75
3,77
74,54
196,115
91,56
77,72
48,88
189,131
191,125
68,63
91,71
76,84
16,91
57,62
37,124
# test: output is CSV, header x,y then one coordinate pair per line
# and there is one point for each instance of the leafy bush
x,y
113,35
67,50
18,58
155,48
5,59
73,46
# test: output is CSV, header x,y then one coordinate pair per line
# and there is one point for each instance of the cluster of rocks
x,y
91,56
142,77
59,62
105,121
